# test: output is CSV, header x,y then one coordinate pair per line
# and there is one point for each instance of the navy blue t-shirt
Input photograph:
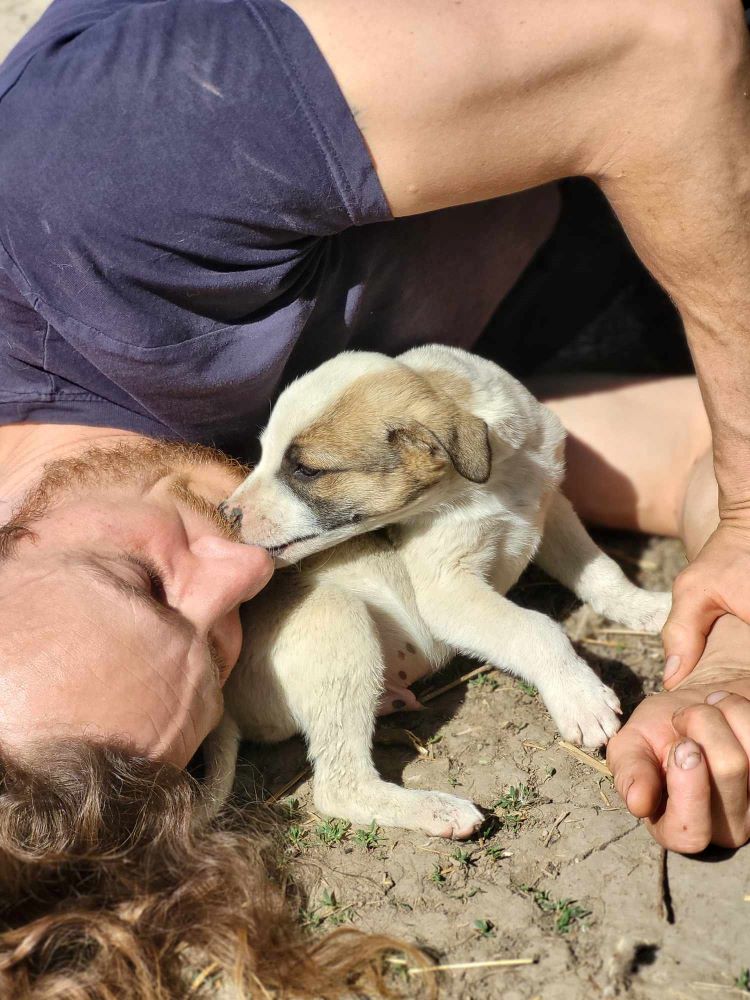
x,y
190,217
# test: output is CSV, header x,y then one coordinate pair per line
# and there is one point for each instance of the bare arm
x,y
461,100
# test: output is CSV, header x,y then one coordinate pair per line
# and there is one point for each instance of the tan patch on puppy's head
x,y
385,441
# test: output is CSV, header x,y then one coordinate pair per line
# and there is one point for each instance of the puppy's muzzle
x,y
232,515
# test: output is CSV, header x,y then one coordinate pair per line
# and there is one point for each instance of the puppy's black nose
x,y
231,514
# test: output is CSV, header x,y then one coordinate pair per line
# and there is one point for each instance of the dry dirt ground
x,y
564,876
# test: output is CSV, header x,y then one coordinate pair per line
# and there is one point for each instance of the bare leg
x,y
682,759
632,447
639,457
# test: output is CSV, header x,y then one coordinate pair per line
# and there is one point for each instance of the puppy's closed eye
x,y
302,471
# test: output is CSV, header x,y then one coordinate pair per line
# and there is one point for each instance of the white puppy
x,y
449,471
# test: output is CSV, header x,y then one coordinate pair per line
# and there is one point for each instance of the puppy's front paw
x,y
585,711
643,609
443,815
436,813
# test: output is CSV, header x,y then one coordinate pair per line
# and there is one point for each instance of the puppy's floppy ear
x,y
418,446
468,447
465,442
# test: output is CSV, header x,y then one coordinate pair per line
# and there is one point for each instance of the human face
x,y
121,618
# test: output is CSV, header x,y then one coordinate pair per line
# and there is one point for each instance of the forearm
x,y
692,229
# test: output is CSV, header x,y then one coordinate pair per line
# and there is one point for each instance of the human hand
x,y
681,764
714,584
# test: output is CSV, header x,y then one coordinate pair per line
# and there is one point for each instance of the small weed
x,y
486,682
399,904
328,910
569,913
290,806
567,910
437,875
528,689
491,826
296,836
485,927
464,859
434,739
453,780
332,831
516,798
515,803
495,852
742,982
369,838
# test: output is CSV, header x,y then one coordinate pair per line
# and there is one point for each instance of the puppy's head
x,y
360,442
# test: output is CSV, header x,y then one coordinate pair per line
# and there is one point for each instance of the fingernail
x,y
716,696
687,755
627,792
671,666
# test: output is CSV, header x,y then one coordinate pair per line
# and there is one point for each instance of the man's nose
x,y
230,571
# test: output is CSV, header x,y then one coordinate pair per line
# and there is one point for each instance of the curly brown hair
x,y
114,885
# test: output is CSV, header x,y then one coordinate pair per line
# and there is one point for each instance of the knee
x,y
704,41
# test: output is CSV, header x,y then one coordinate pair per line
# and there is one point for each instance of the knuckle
x,y
687,585
673,632
696,716
730,769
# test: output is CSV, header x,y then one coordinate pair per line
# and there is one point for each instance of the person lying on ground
x,y
202,199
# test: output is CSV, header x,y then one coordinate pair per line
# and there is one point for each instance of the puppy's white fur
x,y
319,637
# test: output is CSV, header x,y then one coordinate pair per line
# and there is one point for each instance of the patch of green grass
x,y
485,927
742,982
515,803
464,859
486,682
516,798
296,836
332,831
495,852
568,912
437,875
528,689
453,780
369,838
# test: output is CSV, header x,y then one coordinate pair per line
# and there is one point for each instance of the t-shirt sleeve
x,y
172,166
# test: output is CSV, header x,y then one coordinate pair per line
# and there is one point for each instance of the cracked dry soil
x,y
566,877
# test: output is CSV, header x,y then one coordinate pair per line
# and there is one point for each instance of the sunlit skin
x,y
90,641
639,458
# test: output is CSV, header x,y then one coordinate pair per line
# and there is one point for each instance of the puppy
x,y
416,491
